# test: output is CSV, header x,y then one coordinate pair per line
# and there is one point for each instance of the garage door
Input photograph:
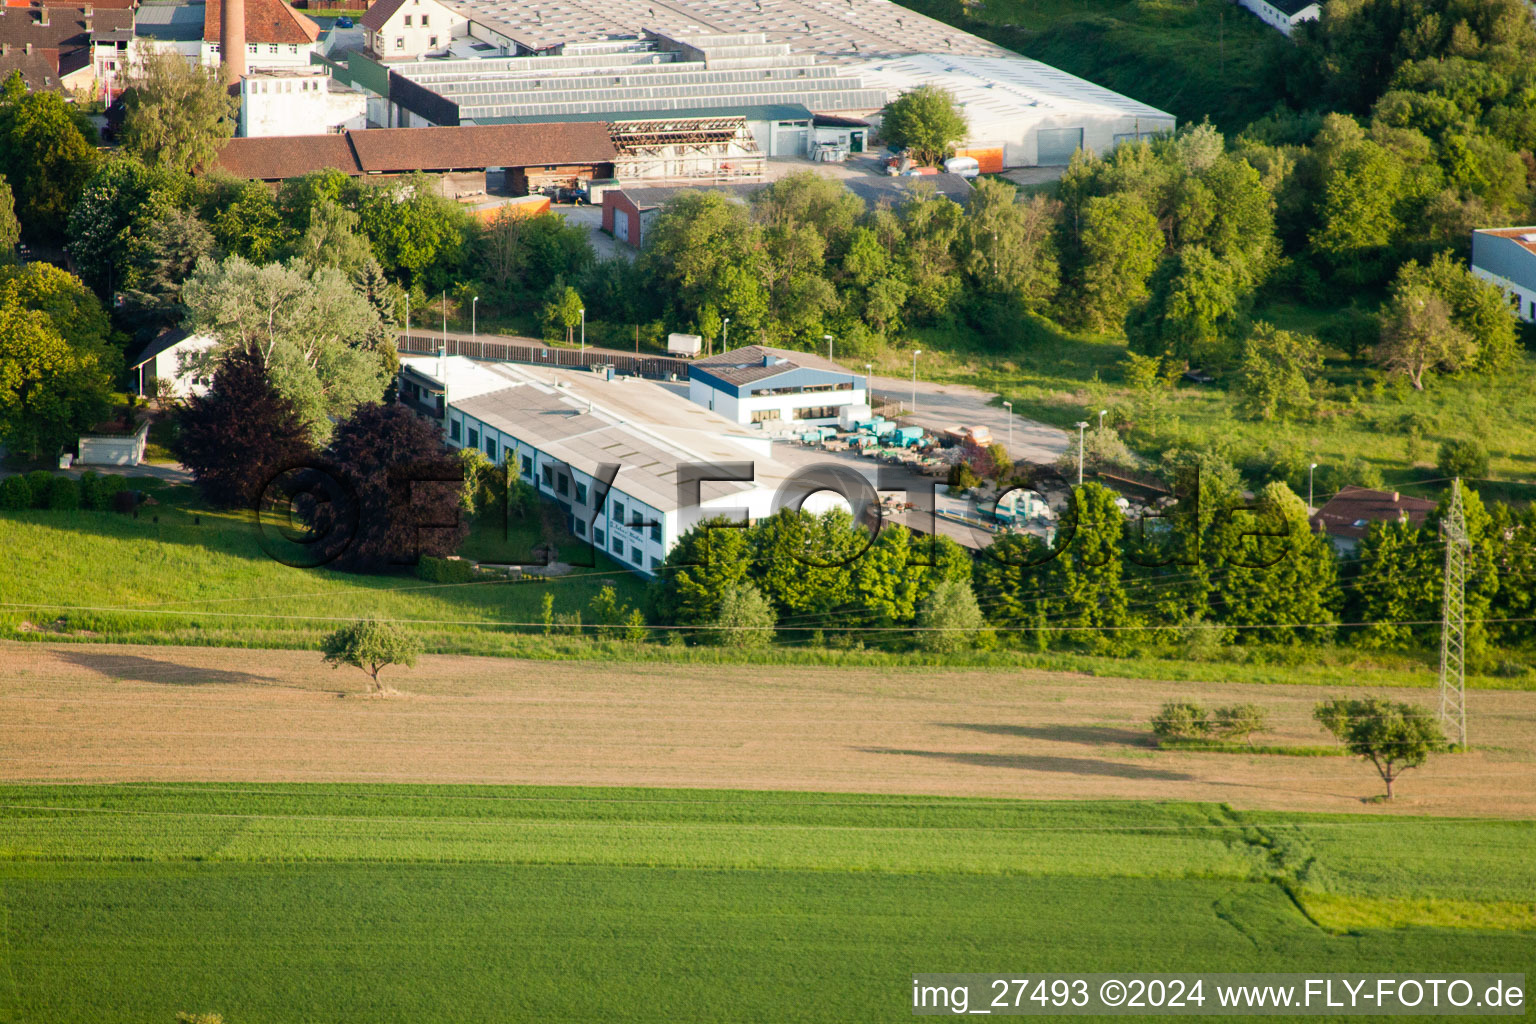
x,y
790,141
1057,145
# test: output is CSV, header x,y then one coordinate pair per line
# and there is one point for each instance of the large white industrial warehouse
x,y
559,428
779,64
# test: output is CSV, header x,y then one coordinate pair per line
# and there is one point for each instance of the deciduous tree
x,y
372,646
1392,735
925,120
176,113
241,434
47,154
406,485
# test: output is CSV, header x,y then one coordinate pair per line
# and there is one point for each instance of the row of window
x,y
255,48
305,85
806,390
400,40
561,484
812,412
633,554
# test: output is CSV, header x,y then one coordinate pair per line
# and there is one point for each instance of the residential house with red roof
x,y
1349,514
411,29
276,35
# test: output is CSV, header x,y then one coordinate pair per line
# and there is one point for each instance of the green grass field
x,y
184,573
1059,377
1192,58
364,903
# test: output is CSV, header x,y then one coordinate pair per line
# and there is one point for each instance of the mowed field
x,y
114,713
202,830
285,904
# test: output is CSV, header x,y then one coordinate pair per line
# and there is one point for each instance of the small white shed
x,y
684,344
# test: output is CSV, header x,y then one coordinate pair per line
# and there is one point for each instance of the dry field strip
x,y
115,713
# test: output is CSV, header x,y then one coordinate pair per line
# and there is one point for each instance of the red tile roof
x,y
398,150
392,150
375,17
266,21
1350,512
277,158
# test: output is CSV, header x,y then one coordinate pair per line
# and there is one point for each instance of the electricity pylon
x,y
1453,621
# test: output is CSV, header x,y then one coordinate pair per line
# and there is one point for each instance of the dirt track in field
x,y
100,713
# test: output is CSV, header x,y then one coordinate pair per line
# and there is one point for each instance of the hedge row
x,y
42,489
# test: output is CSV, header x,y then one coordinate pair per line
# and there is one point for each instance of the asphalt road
x,y
943,407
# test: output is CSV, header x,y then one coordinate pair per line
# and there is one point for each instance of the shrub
x,y
1466,459
98,490
949,619
962,478
39,480
1181,720
745,618
15,494
88,482
63,494
1240,720
445,570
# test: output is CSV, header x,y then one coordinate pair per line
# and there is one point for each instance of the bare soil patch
x,y
113,713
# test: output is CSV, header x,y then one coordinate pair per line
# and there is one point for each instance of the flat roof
x,y
841,31
585,420
175,22
753,363
996,92
1525,237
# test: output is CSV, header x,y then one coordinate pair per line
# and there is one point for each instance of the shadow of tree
x,y
134,668
1092,735
1037,763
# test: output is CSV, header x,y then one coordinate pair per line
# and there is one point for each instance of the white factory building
x,y
769,388
557,428
298,101
1022,113
780,64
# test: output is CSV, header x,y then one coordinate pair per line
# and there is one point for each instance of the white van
x,y
965,166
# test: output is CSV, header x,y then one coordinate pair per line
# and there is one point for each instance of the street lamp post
x,y
725,336
1309,485
828,339
474,318
1102,412
915,353
1082,425
583,332
1009,407
869,395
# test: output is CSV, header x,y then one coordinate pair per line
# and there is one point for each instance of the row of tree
x,y
1213,571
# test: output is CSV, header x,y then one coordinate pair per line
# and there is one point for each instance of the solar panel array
x,y
737,71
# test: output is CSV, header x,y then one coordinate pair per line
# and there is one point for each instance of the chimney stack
x,y
232,41
42,15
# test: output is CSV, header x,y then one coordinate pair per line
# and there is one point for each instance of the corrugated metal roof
x,y
646,429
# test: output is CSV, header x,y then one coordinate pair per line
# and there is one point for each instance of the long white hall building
x,y
559,427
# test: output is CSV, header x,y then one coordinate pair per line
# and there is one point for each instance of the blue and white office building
x,y
773,387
